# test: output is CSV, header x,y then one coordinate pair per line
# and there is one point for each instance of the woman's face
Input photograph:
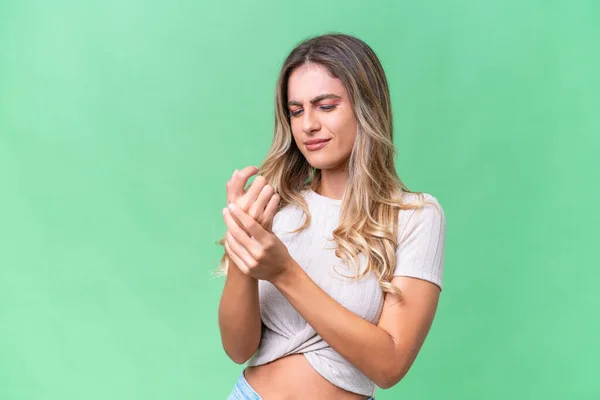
x,y
319,108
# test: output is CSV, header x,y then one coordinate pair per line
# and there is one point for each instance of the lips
x,y
316,144
316,141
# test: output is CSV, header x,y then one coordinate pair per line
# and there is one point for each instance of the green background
x,y
121,121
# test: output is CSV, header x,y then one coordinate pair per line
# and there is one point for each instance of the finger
x,y
252,193
236,260
243,175
237,232
257,208
270,212
236,224
271,208
237,183
230,189
253,227
239,250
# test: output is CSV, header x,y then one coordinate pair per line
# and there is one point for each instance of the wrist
x,y
288,276
235,271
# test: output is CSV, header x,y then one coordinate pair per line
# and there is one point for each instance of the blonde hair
x,y
374,192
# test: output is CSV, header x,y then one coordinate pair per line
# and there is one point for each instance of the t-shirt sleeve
x,y
420,251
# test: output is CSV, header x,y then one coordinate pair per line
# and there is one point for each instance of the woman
x,y
334,266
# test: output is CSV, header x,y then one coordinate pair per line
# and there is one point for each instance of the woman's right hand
x,y
260,200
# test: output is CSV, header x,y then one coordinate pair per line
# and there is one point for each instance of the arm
x,y
239,311
383,352
239,315
386,351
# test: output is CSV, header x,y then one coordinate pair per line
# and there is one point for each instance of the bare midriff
x,y
293,378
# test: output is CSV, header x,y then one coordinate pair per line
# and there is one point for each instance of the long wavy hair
x,y
374,193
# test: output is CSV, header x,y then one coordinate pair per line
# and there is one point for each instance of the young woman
x,y
334,268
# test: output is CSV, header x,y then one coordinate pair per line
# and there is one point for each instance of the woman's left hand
x,y
255,251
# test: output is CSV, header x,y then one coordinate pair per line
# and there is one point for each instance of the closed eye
x,y
324,108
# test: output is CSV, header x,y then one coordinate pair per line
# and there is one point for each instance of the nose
x,y
310,122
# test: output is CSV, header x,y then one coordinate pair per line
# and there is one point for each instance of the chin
x,y
322,163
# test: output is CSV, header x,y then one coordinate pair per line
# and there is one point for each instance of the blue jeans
x,y
243,391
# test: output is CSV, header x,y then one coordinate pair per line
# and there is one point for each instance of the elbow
x,y
240,351
239,360
393,370
238,357
390,377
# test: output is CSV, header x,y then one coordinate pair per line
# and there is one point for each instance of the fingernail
x,y
231,206
224,211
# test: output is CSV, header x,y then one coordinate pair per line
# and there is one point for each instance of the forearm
x,y
366,346
239,315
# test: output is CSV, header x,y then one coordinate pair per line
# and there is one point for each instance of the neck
x,y
333,183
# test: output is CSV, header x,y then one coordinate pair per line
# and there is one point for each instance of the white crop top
x,y
420,254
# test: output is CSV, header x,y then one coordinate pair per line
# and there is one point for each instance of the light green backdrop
x,y
121,121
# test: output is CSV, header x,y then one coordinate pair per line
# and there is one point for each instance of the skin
x,y
383,352
260,202
329,118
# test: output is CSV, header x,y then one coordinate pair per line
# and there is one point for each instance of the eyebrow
x,y
316,99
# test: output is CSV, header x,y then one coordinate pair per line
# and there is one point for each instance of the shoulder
x,y
429,216
430,210
410,197
421,238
